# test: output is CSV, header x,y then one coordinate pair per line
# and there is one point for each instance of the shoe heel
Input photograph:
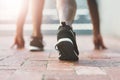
x,y
67,51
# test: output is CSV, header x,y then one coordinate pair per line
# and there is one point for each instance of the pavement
x,y
92,65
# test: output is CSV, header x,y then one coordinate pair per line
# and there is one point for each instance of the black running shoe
x,y
66,43
36,44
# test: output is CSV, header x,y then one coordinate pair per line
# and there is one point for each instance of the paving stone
x,y
74,77
26,75
54,56
86,70
38,56
98,63
113,72
34,66
103,54
5,74
60,75
3,57
59,65
93,65
60,72
6,52
63,77
11,67
113,55
93,77
13,60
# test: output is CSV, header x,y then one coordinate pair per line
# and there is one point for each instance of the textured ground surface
x,y
92,65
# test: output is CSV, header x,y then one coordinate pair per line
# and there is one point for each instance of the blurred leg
x,y
19,40
66,11
66,42
37,9
36,43
93,8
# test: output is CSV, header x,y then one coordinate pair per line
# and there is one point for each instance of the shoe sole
x,y
33,48
67,51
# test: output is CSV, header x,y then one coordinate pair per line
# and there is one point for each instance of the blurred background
x,y
9,10
109,15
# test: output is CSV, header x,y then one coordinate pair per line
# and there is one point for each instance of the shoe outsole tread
x,y
67,52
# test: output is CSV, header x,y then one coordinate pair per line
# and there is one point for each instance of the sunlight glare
x,y
10,7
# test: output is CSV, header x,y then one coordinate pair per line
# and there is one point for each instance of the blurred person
x,y
66,38
66,11
93,9
36,43
66,41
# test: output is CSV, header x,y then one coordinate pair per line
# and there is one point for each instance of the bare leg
x,y
93,8
19,40
66,11
37,6
36,43
66,37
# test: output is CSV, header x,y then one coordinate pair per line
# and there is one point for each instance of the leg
x,y
37,9
93,8
66,37
66,11
19,41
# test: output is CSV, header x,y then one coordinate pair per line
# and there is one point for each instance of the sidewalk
x,y
92,65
